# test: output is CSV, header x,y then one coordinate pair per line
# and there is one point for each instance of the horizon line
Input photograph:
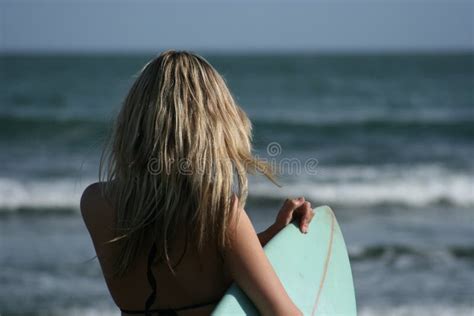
x,y
241,52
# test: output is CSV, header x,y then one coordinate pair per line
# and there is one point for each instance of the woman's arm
x,y
265,236
251,270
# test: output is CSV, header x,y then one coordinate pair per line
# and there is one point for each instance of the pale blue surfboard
x,y
314,269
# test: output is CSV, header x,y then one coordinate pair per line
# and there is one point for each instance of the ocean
x,y
392,137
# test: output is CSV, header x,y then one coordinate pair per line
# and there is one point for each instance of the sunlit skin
x,y
198,280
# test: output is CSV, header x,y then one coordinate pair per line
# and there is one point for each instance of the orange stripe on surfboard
x,y
326,266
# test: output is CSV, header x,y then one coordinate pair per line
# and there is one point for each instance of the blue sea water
x,y
393,137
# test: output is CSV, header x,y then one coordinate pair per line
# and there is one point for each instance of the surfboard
x,y
314,269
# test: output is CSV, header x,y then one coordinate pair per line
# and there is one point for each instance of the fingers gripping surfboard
x,y
314,269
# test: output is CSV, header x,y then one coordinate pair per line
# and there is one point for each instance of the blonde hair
x,y
180,152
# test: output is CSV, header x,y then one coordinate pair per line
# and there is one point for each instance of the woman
x,y
168,222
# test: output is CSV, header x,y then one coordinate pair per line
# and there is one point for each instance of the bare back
x,y
197,279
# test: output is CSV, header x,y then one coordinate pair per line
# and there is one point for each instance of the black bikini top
x,y
152,297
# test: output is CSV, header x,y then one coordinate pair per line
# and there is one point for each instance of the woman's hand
x,y
291,209
295,208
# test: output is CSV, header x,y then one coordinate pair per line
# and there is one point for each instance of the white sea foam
x,y
40,194
369,186
354,186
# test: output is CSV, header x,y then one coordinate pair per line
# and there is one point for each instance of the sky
x,y
235,25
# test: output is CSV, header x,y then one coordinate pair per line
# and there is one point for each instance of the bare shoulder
x,y
95,209
236,214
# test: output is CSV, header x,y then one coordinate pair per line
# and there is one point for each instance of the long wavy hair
x,y
179,154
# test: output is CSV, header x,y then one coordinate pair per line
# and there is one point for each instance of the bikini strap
x,y
152,297
151,281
